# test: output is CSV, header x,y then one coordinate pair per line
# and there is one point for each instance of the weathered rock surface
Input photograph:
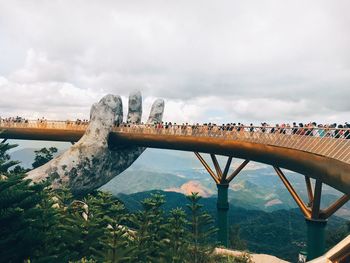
x,y
89,163
157,110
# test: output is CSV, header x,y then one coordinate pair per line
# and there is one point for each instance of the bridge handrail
x,y
325,143
44,124
329,142
68,124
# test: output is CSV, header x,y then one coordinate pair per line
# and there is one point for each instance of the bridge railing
x,y
44,124
330,142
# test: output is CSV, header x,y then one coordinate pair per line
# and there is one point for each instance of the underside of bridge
x,y
316,218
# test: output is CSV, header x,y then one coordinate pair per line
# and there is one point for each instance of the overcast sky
x,y
223,61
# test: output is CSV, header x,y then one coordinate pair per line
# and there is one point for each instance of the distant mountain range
x,y
256,187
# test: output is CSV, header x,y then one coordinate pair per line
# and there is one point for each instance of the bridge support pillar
x,y
222,214
316,218
316,238
222,180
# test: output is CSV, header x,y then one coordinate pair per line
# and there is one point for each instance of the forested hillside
x,y
281,233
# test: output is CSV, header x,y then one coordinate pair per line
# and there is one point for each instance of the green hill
x,y
281,233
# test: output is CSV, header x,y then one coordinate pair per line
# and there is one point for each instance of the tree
x,y
150,230
18,211
5,162
40,224
21,228
235,240
43,155
49,224
336,235
178,237
82,228
117,236
202,230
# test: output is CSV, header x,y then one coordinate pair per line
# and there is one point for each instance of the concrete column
x,y
222,214
316,238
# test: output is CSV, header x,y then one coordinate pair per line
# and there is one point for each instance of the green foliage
x,y
337,235
43,155
88,226
5,162
40,224
18,170
235,238
117,237
48,223
178,236
44,225
24,218
201,230
244,258
150,227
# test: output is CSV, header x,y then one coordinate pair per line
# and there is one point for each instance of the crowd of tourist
x,y
16,119
309,129
77,122
19,120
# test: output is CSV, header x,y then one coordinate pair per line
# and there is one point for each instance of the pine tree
x,y
51,234
202,230
5,162
19,212
82,229
117,238
235,240
43,155
178,237
150,230
20,230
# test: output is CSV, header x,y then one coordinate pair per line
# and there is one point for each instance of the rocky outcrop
x,y
89,163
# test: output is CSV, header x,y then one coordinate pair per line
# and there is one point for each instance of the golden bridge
x,y
316,153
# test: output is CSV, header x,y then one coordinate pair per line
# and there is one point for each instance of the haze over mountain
x,y
256,187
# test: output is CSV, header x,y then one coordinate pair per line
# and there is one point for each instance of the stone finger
x,y
157,110
119,111
102,119
135,107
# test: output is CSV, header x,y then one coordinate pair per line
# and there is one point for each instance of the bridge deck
x,y
325,155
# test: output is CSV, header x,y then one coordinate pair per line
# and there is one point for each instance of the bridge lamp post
x,y
222,181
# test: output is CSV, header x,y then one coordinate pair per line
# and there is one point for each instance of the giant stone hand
x,y
89,163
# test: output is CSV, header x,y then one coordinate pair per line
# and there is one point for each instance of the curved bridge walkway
x,y
330,142
318,153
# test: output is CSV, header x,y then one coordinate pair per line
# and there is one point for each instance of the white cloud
x,y
224,61
38,68
55,100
